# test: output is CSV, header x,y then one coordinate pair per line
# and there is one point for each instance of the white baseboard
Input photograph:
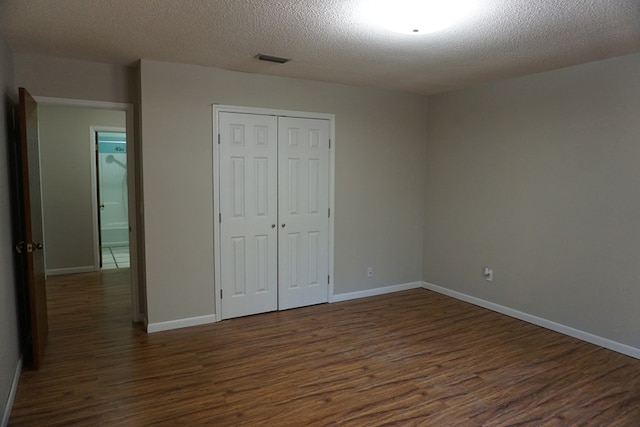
x,y
12,395
376,291
71,270
557,327
202,320
180,323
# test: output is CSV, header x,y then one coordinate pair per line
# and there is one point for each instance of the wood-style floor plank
x,y
410,358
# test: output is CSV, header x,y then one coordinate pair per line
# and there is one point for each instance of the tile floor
x,y
115,257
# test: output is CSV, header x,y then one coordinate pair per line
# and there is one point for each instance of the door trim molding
x,y
67,102
219,108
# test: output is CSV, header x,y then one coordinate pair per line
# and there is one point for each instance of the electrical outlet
x,y
488,274
369,271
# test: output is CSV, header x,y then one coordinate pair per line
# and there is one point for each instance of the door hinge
x,y
218,139
220,293
329,144
329,212
96,148
220,218
328,279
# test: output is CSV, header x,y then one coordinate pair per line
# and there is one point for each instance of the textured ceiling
x,y
326,39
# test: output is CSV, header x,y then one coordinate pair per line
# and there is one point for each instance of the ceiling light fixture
x,y
415,16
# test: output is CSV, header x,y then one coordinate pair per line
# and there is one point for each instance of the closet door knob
x,y
273,226
283,225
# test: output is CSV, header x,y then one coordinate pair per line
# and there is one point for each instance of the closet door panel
x,y
303,189
248,207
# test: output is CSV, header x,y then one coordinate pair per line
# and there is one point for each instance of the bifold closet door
x,y
249,213
303,214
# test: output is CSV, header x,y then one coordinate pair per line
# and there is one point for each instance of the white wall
x,y
74,79
9,341
379,178
539,178
66,171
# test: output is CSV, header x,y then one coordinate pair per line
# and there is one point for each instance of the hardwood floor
x,y
410,358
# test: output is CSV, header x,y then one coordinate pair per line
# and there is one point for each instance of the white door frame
x,y
131,187
216,185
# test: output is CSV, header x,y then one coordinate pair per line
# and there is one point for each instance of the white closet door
x,y
303,190
248,207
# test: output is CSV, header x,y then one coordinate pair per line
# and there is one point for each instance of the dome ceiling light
x,y
416,16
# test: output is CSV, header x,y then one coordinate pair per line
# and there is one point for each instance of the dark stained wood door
x,y
30,245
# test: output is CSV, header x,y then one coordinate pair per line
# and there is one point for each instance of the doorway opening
x,y
113,212
83,228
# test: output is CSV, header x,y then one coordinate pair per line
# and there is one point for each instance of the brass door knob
x,y
29,247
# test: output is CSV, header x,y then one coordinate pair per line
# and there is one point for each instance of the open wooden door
x,y
30,237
